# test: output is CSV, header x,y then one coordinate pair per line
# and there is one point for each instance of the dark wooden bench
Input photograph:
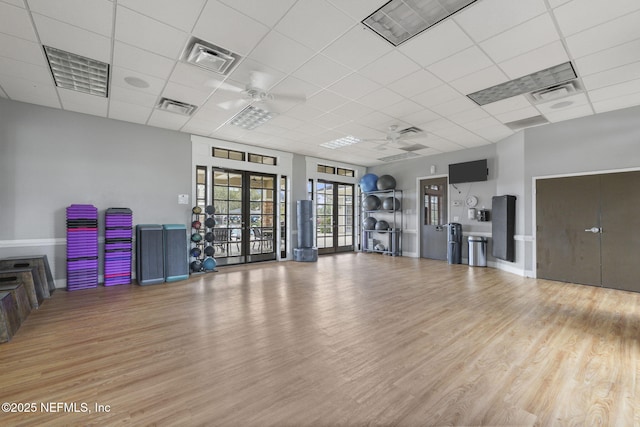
x,y
19,293
38,261
9,318
29,278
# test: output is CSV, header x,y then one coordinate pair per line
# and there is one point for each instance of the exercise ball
x,y
195,252
369,223
209,251
368,182
371,203
196,210
391,204
382,225
210,210
196,225
386,182
196,265
209,264
379,247
196,237
208,237
209,222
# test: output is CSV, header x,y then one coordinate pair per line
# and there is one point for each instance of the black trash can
x,y
454,243
477,251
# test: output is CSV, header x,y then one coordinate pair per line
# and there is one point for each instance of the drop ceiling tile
x,y
321,71
326,101
443,145
314,23
610,58
495,133
535,60
330,120
487,18
133,58
273,130
357,48
92,15
506,105
436,43
182,14
626,101
280,52
460,64
286,122
164,119
149,34
23,70
310,129
422,116
358,9
352,110
604,36
613,76
556,3
415,83
199,127
403,108
133,97
556,105
531,35
614,91
389,68
83,103
185,94
376,120
580,15
436,96
269,13
520,114
292,86
15,21
28,91
21,50
229,29
569,113
73,39
477,125
255,74
471,115
19,3
118,76
304,112
360,131
454,106
354,86
380,99
481,79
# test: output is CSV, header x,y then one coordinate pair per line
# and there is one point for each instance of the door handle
x,y
439,228
594,230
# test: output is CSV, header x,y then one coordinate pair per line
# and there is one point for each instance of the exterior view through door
x,y
433,217
334,216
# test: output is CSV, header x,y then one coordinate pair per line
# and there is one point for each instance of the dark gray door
x,y
433,217
588,230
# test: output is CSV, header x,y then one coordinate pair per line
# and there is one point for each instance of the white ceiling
x,y
355,83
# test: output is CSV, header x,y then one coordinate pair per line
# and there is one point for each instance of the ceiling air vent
x,y
414,147
555,92
527,123
410,131
210,57
401,156
177,107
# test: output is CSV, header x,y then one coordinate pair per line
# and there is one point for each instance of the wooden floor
x,y
355,339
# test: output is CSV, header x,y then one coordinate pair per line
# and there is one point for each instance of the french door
x,y
245,204
434,217
335,217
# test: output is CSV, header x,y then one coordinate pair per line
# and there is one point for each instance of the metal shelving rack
x,y
393,235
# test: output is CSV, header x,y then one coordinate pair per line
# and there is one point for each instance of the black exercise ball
x,y
386,182
208,237
210,210
210,222
195,252
209,251
391,204
369,223
382,225
196,266
371,203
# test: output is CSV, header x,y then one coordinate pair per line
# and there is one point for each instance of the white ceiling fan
x,y
255,92
398,137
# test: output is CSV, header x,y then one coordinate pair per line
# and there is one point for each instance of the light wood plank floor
x,y
355,339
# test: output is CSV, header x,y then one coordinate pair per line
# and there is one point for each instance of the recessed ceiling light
x,y
136,82
173,106
399,20
79,73
251,117
210,57
533,82
340,142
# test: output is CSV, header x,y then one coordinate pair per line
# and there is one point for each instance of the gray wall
x,y
50,159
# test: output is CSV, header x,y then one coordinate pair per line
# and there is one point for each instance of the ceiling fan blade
x,y
230,105
260,80
225,86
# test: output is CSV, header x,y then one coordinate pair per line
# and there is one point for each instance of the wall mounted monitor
x,y
468,171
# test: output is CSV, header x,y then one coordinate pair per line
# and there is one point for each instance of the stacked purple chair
x,y
82,247
118,238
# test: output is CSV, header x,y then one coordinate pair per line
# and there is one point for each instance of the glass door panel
x,y
334,213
